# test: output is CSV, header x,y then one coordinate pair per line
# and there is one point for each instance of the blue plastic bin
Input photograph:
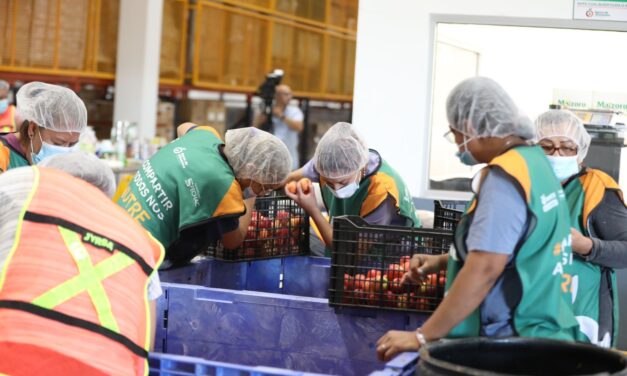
x,y
274,330
296,275
403,365
167,364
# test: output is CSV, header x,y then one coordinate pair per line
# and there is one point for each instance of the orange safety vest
x,y
73,289
7,120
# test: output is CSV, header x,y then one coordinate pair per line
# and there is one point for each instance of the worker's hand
x,y
307,201
420,266
581,245
394,342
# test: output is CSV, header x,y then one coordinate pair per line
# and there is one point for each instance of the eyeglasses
x,y
449,136
566,149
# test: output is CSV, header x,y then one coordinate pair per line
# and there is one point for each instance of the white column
x,y
137,68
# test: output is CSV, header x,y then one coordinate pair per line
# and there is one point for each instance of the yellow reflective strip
x,y
149,318
76,285
20,221
93,285
148,315
61,293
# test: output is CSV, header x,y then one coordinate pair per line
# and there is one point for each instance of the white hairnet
x,y
52,107
562,123
86,167
480,107
341,152
257,155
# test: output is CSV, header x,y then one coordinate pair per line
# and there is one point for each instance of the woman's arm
x,y
474,281
608,246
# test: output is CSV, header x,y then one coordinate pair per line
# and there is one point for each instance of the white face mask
x,y
346,191
564,167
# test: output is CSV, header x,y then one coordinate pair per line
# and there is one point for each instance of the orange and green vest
x,y
7,120
584,193
9,157
187,183
373,190
542,260
74,285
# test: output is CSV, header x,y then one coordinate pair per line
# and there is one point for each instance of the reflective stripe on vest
x,y
89,279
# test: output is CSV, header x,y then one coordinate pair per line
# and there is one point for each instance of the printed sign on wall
x,y
603,10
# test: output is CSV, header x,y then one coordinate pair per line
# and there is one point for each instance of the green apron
x,y
590,187
186,183
542,261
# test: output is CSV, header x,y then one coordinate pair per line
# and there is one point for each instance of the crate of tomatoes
x,y
278,228
368,263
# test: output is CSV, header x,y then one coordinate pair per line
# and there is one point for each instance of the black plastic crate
x,y
279,227
445,216
368,262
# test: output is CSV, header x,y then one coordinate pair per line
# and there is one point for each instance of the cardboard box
x,y
165,113
204,112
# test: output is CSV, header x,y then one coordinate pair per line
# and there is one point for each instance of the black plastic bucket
x,y
518,356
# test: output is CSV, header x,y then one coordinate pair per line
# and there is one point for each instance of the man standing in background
x,y
287,121
7,111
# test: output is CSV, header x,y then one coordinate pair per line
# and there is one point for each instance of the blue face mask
x,y
48,150
4,104
465,156
564,167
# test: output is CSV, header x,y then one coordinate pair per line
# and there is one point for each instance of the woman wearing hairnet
x,y
354,180
508,274
598,224
199,189
53,118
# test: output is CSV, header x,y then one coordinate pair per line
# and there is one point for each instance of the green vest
x,y
584,194
15,159
186,183
373,190
542,261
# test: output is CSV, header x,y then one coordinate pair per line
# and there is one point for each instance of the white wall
x,y
392,78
